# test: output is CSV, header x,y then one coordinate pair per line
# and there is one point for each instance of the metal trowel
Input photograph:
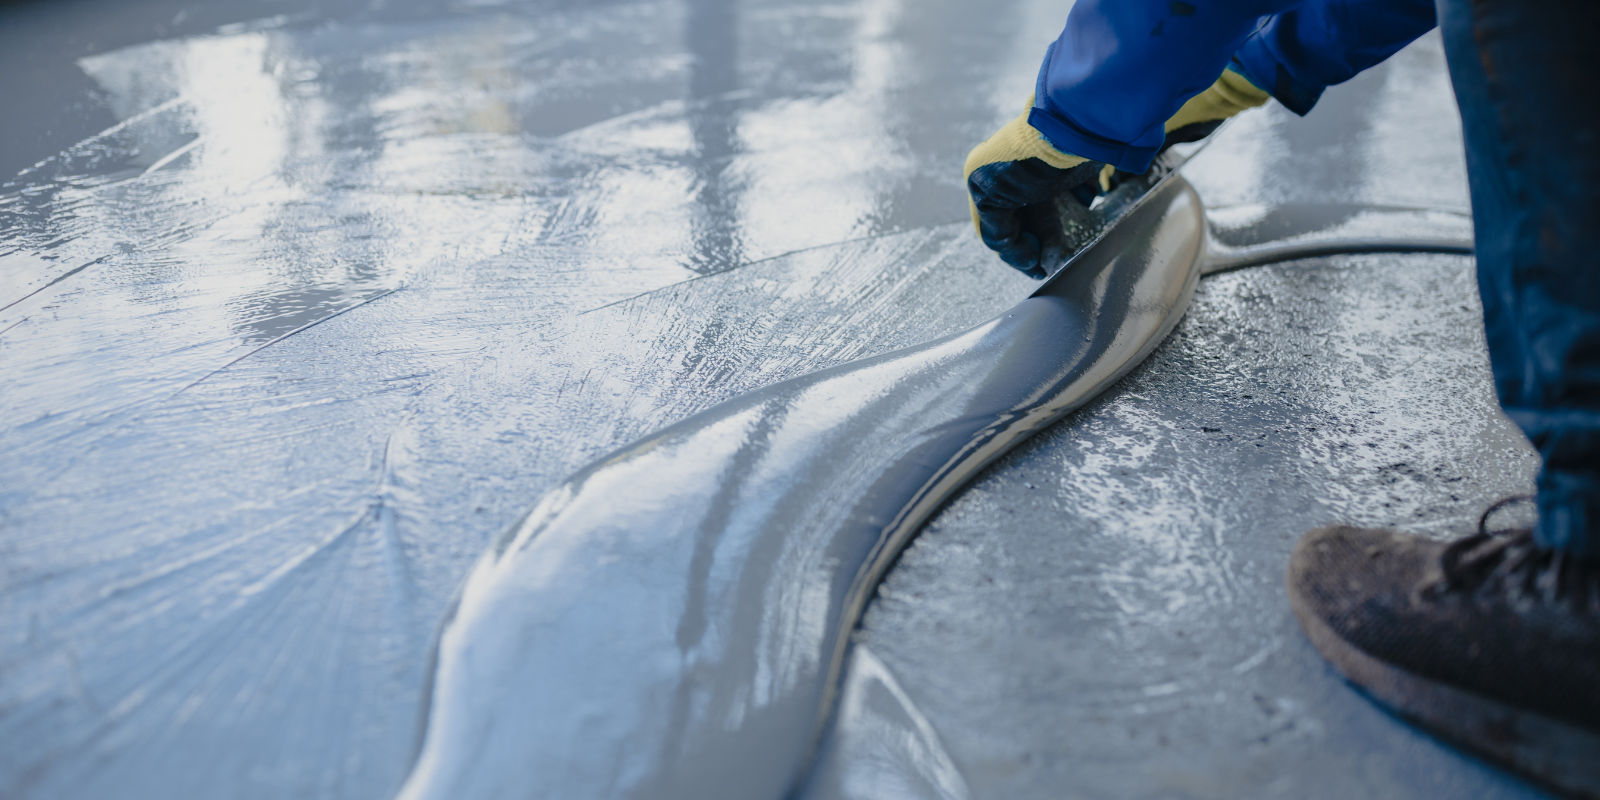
x,y
1074,221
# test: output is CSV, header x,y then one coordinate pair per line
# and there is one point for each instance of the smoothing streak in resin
x,y
1253,236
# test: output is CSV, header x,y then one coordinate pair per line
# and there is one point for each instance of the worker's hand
x,y
1018,167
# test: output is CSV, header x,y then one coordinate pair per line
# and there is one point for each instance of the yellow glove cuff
x,y
1231,94
1018,141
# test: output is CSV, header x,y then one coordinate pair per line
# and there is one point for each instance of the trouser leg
x,y
1527,78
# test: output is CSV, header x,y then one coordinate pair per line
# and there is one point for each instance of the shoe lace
x,y
1483,520
1469,563
1510,561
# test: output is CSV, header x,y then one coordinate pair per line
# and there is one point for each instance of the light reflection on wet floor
x,y
339,296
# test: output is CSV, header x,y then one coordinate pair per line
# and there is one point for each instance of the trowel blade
x,y
1079,228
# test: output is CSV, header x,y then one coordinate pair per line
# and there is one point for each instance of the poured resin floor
x,y
303,303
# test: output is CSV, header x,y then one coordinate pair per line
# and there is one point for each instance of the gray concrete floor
x,y
304,302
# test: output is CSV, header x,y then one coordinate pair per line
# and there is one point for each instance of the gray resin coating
x,y
670,621
733,552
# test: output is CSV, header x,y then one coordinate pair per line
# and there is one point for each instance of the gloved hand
x,y
1018,167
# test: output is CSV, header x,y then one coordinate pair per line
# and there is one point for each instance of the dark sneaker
x,y
1490,641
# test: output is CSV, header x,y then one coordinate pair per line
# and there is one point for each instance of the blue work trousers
x,y
1527,80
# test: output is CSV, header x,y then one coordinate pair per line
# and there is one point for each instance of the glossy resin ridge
x,y
671,621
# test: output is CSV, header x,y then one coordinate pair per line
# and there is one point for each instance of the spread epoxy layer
x,y
752,534
708,576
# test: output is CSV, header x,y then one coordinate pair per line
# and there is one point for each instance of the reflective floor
x,y
303,303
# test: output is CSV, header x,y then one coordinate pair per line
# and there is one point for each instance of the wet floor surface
x,y
1118,582
324,297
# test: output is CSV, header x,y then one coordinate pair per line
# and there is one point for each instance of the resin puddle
x,y
673,620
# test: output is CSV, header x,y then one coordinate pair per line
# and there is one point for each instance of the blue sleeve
x,y
1122,67
1300,52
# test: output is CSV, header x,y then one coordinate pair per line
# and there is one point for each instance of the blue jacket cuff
x,y
1068,137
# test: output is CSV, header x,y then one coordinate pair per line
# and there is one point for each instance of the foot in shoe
x,y
1490,642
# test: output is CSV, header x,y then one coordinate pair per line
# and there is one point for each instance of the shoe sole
x,y
1559,754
